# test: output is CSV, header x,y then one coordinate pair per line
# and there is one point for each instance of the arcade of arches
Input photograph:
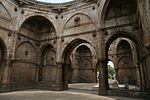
x,y
48,46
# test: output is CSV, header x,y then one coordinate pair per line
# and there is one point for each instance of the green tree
x,y
111,72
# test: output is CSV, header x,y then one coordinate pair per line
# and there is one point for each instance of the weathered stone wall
x,y
24,67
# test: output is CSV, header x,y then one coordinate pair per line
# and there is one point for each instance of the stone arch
x,y
85,48
47,68
26,42
38,27
86,69
76,15
124,34
5,16
3,4
78,20
31,48
123,44
69,48
23,19
66,58
105,8
103,13
46,45
132,37
91,48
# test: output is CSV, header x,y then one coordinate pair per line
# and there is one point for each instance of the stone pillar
x,y
38,65
59,78
65,75
6,75
116,73
102,78
94,69
143,7
138,74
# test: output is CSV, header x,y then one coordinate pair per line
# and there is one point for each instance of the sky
x,y
55,1
111,64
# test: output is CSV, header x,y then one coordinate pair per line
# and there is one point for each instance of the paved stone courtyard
x,y
53,95
76,92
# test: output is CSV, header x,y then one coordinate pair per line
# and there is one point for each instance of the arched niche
x,y
66,59
81,68
119,13
123,45
123,53
24,66
26,51
38,27
47,69
78,23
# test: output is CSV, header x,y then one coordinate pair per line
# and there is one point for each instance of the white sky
x,y
55,1
111,64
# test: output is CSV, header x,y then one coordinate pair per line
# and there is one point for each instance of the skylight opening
x,y
55,1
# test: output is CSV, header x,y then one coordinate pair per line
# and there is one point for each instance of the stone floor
x,y
76,92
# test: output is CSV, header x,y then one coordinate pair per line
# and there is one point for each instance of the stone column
x,y
65,75
143,7
59,78
101,63
137,74
6,75
102,78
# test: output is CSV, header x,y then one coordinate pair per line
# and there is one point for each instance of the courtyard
x,y
53,95
82,91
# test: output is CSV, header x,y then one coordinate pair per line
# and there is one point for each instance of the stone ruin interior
x,y
51,45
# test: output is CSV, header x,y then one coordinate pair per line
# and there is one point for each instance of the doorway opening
x,y
123,73
79,70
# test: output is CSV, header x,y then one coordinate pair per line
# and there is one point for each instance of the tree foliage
x,y
111,72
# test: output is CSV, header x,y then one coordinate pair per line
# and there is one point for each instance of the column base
x,y
5,87
103,93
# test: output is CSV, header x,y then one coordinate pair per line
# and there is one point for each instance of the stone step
x,y
127,93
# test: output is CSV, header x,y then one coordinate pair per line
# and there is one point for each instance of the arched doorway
x,y
47,69
38,28
118,21
81,66
126,70
84,71
34,33
125,57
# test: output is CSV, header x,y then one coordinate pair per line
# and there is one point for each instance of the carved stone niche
x,y
77,21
